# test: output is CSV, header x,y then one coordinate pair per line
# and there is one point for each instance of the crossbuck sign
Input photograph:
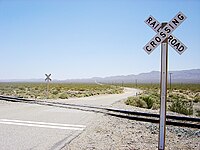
x,y
165,32
48,77
163,37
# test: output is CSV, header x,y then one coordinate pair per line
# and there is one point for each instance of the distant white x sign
x,y
48,77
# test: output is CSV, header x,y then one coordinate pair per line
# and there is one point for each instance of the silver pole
x,y
47,88
170,80
163,94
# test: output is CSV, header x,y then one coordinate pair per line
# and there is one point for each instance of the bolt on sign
x,y
164,37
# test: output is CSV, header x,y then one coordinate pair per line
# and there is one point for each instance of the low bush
x,y
182,107
55,92
198,113
197,98
63,96
135,101
149,101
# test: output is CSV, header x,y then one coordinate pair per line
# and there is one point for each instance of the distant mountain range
x,y
183,76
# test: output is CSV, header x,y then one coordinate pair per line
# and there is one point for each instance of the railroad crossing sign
x,y
165,33
164,37
48,77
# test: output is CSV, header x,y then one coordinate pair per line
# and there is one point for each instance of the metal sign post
x,y
48,79
163,94
164,37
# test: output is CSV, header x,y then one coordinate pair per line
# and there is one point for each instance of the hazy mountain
x,y
183,76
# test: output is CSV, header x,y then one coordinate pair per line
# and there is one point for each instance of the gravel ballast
x,y
113,133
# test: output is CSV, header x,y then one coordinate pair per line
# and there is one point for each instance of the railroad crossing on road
x,y
31,126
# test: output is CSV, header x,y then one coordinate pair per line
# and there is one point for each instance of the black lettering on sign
x,y
173,42
181,48
175,22
149,20
170,38
158,30
156,26
153,43
168,30
148,49
157,39
152,24
180,17
171,26
163,34
177,45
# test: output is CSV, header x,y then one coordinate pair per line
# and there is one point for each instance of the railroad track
x,y
182,121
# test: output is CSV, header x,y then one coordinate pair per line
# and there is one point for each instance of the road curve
x,y
27,126
101,100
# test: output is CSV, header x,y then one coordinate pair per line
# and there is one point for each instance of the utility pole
x,y
136,83
170,80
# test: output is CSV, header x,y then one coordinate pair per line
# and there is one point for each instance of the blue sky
x,y
91,38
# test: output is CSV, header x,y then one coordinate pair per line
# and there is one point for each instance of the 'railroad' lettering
x,y
177,45
170,38
173,42
149,20
153,24
181,48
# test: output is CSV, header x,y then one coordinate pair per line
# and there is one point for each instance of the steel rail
x,y
122,113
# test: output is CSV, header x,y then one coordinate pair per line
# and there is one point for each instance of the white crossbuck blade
x,y
165,32
48,77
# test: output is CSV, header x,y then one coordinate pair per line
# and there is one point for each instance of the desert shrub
x,y
155,106
55,92
136,101
63,96
182,107
149,101
198,113
197,98
22,88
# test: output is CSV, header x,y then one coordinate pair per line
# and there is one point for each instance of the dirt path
x,y
101,100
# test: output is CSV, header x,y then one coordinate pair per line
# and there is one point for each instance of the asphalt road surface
x,y
35,127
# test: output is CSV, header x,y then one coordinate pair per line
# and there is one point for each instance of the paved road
x,y
35,127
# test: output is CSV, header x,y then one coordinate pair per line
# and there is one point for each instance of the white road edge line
x,y
43,123
41,126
